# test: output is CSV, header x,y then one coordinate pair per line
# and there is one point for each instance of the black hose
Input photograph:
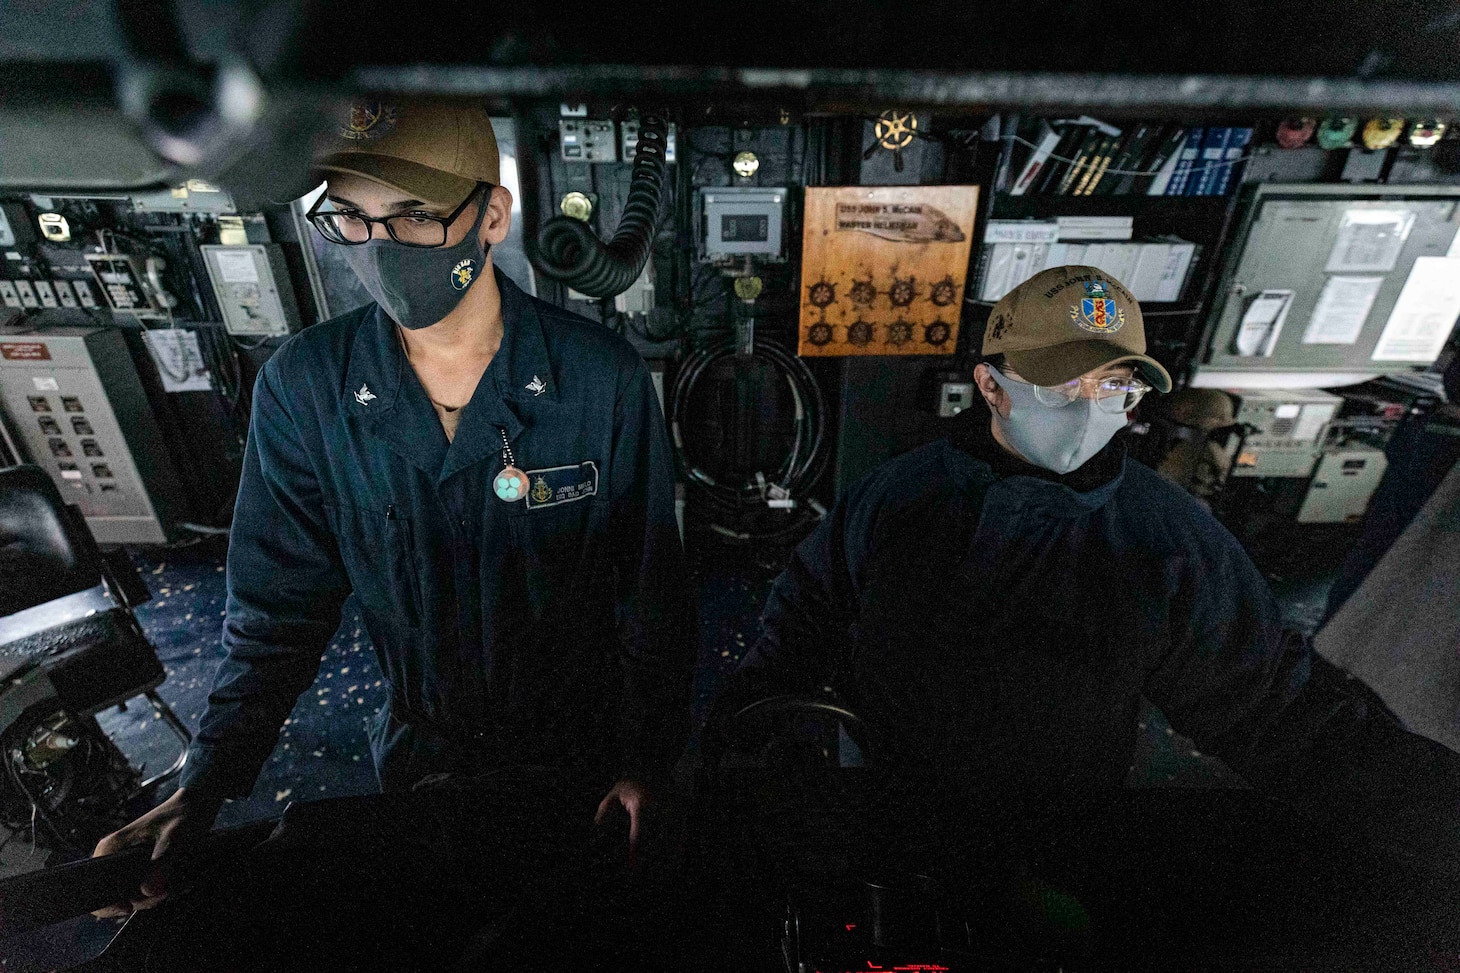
x,y
803,464
568,250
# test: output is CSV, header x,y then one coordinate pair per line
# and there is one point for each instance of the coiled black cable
x,y
568,250
802,465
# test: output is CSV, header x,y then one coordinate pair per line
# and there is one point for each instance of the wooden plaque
x,y
883,268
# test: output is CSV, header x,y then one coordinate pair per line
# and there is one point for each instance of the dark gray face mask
x,y
418,286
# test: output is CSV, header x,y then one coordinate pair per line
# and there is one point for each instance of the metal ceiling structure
x,y
137,93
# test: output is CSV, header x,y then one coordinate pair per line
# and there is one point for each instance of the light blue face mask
x,y
1059,439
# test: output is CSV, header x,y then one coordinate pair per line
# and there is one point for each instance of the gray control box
x,y
1289,428
251,283
73,403
629,140
739,221
588,140
1343,486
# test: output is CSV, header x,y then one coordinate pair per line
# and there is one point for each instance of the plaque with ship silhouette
x,y
883,268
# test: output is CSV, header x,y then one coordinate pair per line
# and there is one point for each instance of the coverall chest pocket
x,y
554,545
378,550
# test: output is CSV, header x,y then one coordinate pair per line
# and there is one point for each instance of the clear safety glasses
x,y
1112,393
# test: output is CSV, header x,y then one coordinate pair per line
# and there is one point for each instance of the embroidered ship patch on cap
x,y
1097,312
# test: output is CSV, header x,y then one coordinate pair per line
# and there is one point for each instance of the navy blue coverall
x,y
555,631
997,626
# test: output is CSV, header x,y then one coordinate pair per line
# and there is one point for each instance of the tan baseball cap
x,y
1066,321
434,150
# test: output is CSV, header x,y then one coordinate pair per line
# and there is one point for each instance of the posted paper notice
x,y
1311,422
179,361
237,267
1369,240
1425,313
1342,308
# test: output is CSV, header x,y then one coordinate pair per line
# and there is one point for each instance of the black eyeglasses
x,y
352,228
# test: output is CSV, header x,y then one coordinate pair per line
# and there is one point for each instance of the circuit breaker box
x,y
1286,431
741,221
73,404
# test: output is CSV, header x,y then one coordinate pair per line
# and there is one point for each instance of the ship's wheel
x,y
894,131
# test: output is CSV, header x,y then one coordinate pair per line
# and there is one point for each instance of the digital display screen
x,y
745,228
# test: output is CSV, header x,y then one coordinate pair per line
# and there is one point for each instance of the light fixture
x,y
54,227
577,205
1425,133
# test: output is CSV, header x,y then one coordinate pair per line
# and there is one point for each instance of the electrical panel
x,y
84,295
252,286
588,140
1342,487
123,283
583,139
629,140
74,404
72,276
742,221
65,294
1336,284
1287,430
956,392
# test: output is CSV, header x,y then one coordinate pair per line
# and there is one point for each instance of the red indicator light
x,y
851,926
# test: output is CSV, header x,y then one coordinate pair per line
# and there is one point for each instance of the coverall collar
x,y
382,390
1047,496
522,369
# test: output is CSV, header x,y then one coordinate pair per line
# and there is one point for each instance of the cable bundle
x,y
797,473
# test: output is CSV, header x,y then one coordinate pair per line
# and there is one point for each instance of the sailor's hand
x,y
173,829
633,797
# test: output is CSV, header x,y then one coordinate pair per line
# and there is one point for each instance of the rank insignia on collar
x,y
537,386
364,396
1096,312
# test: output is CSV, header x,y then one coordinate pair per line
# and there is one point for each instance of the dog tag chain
x,y
511,483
